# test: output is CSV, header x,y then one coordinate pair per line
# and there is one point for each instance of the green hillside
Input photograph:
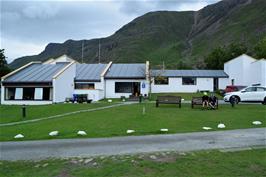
x,y
177,38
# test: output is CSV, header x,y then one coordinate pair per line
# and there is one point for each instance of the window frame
x,y
193,78
164,80
87,88
131,87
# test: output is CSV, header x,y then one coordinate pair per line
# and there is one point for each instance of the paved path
x,y
26,150
65,114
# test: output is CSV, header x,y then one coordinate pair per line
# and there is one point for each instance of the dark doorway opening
x,y
46,93
28,93
215,84
136,88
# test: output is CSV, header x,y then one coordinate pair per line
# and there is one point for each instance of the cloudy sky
x,y
28,26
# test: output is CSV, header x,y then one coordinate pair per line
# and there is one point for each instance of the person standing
x,y
205,100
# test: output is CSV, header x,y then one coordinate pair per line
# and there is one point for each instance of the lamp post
x,y
23,110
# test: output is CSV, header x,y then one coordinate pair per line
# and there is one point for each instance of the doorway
x,y
136,88
215,84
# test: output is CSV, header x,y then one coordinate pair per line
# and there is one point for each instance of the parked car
x,y
248,94
234,88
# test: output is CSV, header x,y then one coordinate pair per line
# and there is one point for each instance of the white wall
x,y
246,70
26,102
223,82
175,85
95,95
2,94
258,72
239,69
110,88
63,85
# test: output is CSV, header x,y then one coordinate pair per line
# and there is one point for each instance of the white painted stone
x,y
206,128
53,133
164,130
221,126
18,136
110,101
82,133
182,99
88,160
256,123
130,131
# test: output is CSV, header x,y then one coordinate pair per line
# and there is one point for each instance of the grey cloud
x,y
57,21
137,7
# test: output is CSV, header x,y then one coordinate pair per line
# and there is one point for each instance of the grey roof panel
x,y
89,72
36,72
189,73
126,71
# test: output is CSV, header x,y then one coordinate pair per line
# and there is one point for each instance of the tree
x,y
4,69
218,56
260,48
215,59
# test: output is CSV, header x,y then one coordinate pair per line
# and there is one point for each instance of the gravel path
x,y
35,150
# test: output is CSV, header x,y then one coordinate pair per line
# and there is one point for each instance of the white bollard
x,y
221,126
53,133
18,136
130,131
82,133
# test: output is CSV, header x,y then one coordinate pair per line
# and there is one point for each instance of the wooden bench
x,y
198,101
168,100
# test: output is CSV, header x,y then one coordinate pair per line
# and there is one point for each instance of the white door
x,y
248,94
260,93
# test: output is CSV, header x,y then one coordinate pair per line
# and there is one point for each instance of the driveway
x,y
35,150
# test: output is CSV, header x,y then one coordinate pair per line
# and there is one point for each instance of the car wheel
x,y
264,102
236,101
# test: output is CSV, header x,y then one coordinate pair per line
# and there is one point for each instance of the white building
x,y
126,80
245,70
57,79
89,80
164,81
38,83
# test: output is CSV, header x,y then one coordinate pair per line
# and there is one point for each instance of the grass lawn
x,y
13,113
203,163
115,121
186,96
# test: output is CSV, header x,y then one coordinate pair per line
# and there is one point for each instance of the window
x,y
160,80
10,93
251,89
123,87
189,81
28,93
261,89
47,93
85,86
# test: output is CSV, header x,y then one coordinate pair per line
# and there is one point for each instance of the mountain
x,y
175,38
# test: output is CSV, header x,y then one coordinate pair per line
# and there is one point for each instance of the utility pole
x,y
99,52
82,46
163,66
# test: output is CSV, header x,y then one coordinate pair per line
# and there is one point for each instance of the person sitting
x,y
212,101
205,100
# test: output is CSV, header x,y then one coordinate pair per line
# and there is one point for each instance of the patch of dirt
x,y
256,168
64,173
161,158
